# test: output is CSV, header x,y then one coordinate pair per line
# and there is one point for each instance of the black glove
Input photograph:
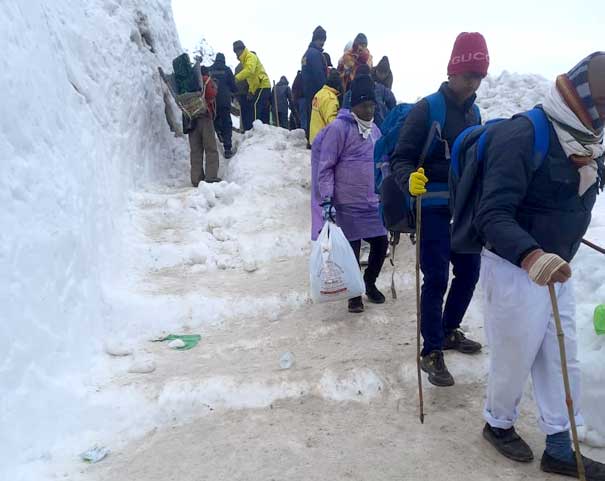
x,y
329,213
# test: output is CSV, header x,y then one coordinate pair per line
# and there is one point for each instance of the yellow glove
x,y
418,182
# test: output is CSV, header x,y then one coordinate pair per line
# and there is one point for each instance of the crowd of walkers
x,y
539,176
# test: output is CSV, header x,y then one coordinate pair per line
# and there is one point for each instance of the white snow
x,y
100,234
82,124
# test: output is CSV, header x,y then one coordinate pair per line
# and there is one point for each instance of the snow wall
x,y
82,123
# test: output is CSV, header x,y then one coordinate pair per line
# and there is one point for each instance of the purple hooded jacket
x,y
342,167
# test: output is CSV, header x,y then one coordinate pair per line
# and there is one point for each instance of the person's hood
x,y
283,81
384,65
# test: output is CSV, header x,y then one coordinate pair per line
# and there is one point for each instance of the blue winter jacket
x,y
521,208
314,71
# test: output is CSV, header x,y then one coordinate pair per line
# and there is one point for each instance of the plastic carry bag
x,y
334,271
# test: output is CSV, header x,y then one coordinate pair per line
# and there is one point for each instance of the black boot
x,y
228,153
508,443
374,295
356,305
434,365
595,471
458,341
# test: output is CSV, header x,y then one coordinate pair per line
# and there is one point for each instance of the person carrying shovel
x,y
532,220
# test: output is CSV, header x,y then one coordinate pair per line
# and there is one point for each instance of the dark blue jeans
x,y
224,127
435,258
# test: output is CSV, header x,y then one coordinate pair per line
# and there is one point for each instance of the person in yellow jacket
x,y
259,86
325,105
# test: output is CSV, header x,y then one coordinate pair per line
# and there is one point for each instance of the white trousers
x,y
522,338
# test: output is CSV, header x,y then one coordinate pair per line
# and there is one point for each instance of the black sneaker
x,y
228,153
595,471
458,341
356,305
434,365
374,295
508,443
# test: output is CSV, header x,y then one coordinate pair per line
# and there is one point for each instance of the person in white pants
x,y
532,217
522,337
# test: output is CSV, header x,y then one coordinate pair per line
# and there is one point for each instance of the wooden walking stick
x,y
593,246
418,310
568,398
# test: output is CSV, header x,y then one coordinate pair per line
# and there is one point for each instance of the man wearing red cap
x,y
453,108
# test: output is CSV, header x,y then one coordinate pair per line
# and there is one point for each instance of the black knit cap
x,y
220,58
334,80
319,34
361,38
238,45
362,90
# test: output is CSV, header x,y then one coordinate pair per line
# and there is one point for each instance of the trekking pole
x,y
593,246
395,236
418,311
568,398
275,105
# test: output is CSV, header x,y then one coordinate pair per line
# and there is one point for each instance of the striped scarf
x,y
575,89
570,107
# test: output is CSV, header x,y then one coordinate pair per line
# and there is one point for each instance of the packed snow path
x,y
346,410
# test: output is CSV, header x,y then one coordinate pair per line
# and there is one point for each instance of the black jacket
x,y
414,132
521,208
225,81
282,93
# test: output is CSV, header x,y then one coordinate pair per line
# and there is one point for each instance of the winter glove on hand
x,y
329,213
417,183
545,268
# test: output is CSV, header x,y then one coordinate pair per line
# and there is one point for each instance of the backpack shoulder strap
x,y
539,121
437,108
477,113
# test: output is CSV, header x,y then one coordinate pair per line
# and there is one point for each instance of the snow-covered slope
x,y
82,122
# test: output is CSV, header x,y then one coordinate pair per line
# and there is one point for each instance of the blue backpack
x,y
397,206
466,175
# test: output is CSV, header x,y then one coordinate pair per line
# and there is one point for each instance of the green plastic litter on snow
x,y
190,340
599,319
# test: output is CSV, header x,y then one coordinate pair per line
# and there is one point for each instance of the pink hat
x,y
469,55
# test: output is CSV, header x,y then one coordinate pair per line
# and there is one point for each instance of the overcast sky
x,y
525,36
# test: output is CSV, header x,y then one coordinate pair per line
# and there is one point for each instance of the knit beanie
x,y
334,80
362,90
384,65
220,58
580,84
363,69
361,38
319,34
469,54
238,45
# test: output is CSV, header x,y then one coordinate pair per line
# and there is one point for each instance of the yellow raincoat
x,y
324,110
253,72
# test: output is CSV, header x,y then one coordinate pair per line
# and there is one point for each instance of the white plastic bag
x,y
334,271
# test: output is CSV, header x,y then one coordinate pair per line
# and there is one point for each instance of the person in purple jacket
x,y
344,180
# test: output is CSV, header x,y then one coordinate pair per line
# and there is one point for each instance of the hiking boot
x,y
356,305
374,295
213,180
508,443
228,153
458,341
595,471
434,365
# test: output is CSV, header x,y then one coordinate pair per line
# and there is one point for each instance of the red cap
x,y
469,55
